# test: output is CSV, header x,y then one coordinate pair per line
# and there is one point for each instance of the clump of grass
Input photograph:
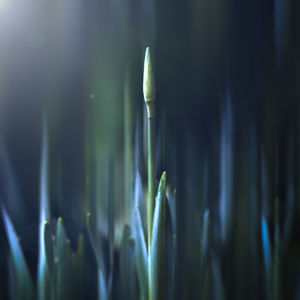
x,y
143,262
63,267
148,257
59,269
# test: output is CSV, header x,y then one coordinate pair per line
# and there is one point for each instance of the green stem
x,y
151,192
149,97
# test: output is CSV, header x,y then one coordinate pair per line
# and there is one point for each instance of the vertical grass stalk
x,y
128,149
43,278
149,97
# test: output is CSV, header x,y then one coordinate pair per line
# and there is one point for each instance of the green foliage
x,y
65,266
136,261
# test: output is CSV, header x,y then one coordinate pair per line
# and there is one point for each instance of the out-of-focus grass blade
x,y
110,212
204,238
102,286
170,249
50,259
266,246
141,255
22,276
43,278
206,294
171,198
14,290
61,239
128,276
80,253
217,279
226,170
97,252
139,201
128,138
171,232
204,262
49,251
267,255
77,269
124,254
158,235
63,262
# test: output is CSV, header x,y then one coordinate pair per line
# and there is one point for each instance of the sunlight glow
x,y
3,5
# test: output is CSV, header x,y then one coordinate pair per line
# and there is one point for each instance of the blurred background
x,y
228,128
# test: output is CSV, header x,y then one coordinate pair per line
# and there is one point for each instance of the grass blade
x,y
127,258
204,238
49,251
158,235
266,246
139,201
63,264
171,198
49,256
97,252
267,255
43,278
141,255
217,279
22,276
80,253
102,286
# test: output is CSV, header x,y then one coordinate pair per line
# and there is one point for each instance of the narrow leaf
x,y
63,263
80,252
267,256
96,249
139,201
204,237
49,251
61,239
24,282
266,246
171,198
128,275
217,279
141,255
102,286
50,258
43,278
158,235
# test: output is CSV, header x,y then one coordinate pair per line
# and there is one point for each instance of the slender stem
x,y
128,151
151,192
149,97
151,174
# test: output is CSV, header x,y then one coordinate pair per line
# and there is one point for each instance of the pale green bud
x,y
149,85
